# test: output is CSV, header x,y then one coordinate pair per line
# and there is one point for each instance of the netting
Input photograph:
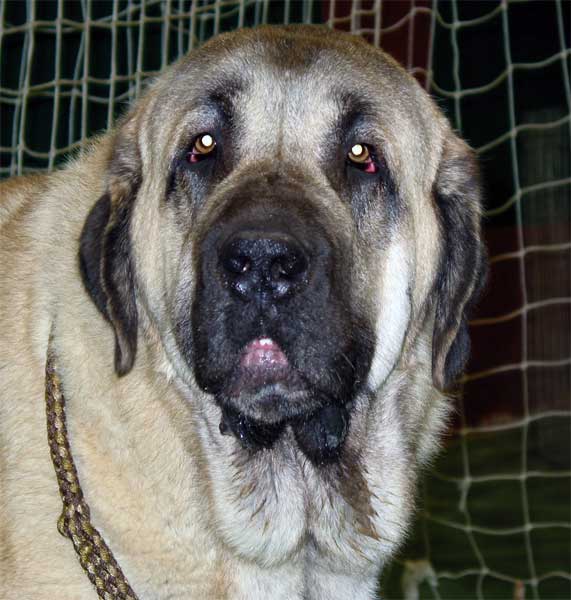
x,y
496,516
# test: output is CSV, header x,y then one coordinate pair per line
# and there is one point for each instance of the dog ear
x,y
463,265
105,249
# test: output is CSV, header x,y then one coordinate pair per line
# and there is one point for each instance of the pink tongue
x,y
263,352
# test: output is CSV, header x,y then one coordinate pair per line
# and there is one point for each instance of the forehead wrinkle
x,y
283,111
353,108
281,122
314,110
223,94
310,109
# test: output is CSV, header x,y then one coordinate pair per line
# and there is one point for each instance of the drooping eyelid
x,y
355,123
362,133
369,135
203,120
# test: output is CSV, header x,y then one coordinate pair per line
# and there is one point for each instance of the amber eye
x,y
203,146
360,156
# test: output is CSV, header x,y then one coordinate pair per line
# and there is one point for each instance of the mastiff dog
x,y
228,326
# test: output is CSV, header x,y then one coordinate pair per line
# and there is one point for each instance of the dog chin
x,y
268,396
272,404
319,433
258,417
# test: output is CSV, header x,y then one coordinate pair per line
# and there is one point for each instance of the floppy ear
x,y
105,250
463,266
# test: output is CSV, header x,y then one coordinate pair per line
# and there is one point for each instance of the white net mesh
x,y
496,515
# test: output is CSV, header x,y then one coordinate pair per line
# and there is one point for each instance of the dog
x,y
251,297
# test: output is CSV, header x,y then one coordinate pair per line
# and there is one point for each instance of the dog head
x,y
291,213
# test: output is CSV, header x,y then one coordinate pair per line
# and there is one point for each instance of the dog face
x,y
291,214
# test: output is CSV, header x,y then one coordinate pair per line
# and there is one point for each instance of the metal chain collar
x,y
74,523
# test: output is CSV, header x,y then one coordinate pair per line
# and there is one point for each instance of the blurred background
x,y
495,516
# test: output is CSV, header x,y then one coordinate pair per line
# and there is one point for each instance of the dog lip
x,y
264,380
264,354
262,363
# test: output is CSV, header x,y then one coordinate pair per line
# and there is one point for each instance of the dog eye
x,y
203,147
360,156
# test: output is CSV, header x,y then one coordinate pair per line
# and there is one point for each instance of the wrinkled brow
x,y
222,95
352,109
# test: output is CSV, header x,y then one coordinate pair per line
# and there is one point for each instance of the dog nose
x,y
265,266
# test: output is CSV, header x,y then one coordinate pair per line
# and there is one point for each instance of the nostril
x,y
237,265
277,271
288,267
